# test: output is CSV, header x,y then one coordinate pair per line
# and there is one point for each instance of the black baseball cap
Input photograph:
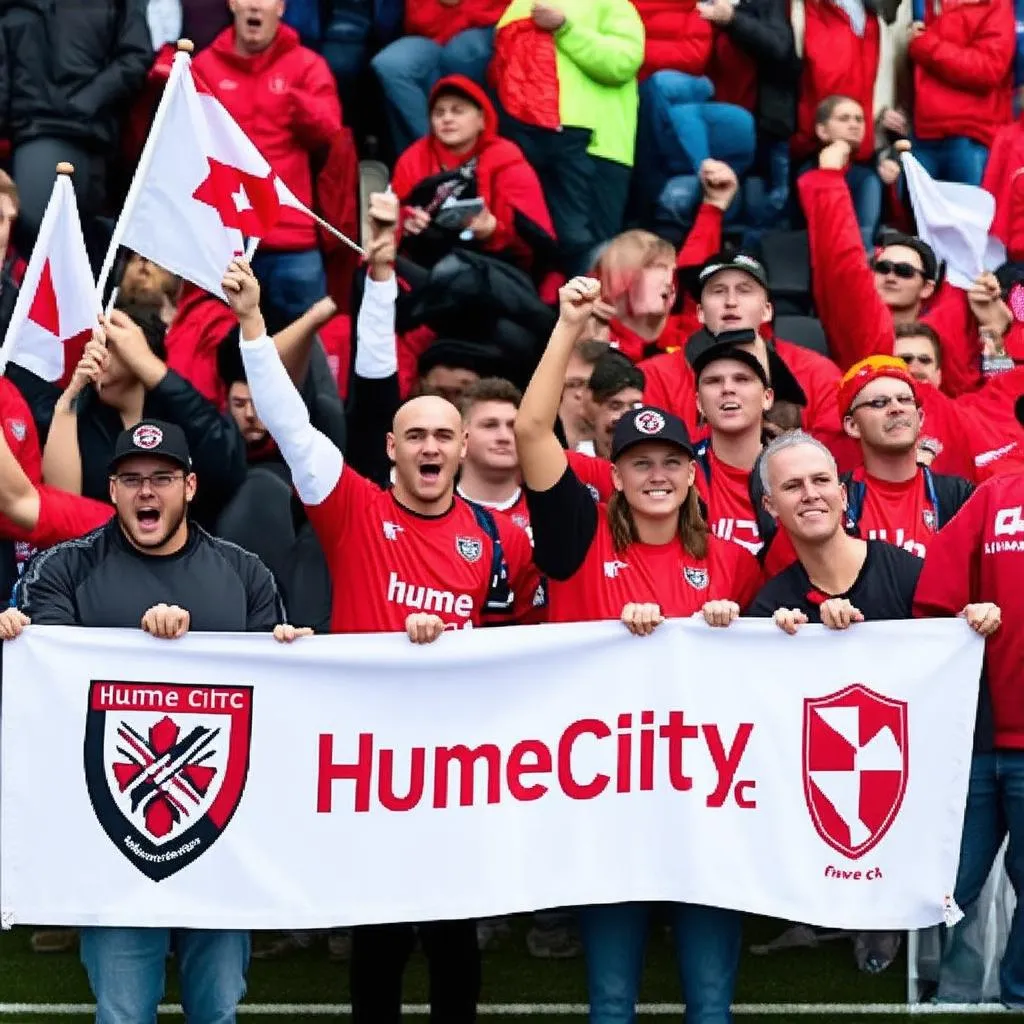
x,y
781,378
152,437
727,261
649,423
708,354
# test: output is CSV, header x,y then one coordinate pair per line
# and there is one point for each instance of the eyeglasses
x,y
884,401
903,270
576,384
158,481
925,360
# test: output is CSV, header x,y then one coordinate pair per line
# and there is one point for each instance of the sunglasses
x,y
903,270
884,401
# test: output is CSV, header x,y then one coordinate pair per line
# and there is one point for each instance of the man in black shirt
x,y
151,566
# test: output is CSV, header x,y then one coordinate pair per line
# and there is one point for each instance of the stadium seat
x,y
805,331
787,259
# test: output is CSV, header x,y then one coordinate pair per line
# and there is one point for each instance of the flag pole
x,y
181,61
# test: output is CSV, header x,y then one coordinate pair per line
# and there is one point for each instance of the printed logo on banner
x,y
165,766
855,764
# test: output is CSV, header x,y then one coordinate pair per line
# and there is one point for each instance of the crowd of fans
x,y
667,222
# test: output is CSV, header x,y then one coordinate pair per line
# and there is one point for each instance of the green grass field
x,y
826,975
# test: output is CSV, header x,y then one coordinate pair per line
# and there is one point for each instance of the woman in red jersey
x,y
645,556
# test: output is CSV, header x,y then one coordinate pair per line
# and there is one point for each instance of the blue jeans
x,y
410,67
127,966
707,942
995,807
954,159
866,191
291,281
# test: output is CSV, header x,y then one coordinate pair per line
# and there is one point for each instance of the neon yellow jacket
x,y
581,76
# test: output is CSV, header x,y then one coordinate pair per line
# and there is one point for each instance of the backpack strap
x,y
500,599
702,455
856,491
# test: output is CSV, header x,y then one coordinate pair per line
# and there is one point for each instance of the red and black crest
x,y
165,765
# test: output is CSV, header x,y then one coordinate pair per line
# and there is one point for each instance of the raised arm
x,y
315,463
541,455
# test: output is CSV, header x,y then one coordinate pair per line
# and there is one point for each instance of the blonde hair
x,y
693,530
625,256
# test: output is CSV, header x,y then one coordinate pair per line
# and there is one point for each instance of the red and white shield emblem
x,y
855,766
165,765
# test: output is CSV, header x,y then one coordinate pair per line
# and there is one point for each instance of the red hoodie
x,y
441,21
1004,178
857,322
505,181
979,556
286,101
836,61
200,324
677,37
963,70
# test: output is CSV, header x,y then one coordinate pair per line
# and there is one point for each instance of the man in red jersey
x,y
979,557
733,394
415,557
490,468
890,497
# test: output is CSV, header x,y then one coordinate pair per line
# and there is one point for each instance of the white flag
x,y
56,302
200,190
954,219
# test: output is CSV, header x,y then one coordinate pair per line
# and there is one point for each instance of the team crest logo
x,y
278,85
697,578
649,422
928,515
855,766
165,766
18,429
147,436
470,548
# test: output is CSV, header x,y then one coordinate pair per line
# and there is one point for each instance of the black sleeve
x,y
763,30
372,405
216,446
46,590
905,570
952,492
563,520
265,608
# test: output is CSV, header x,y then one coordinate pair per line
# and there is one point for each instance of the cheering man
x,y
416,557
890,497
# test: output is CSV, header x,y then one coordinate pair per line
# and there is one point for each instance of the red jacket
x,y
440,22
963,70
836,62
979,556
857,322
286,101
200,324
734,73
678,38
505,181
1004,178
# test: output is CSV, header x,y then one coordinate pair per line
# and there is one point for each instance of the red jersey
x,y
64,516
979,556
387,562
900,513
589,580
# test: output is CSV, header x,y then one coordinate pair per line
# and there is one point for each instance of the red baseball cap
x,y
863,373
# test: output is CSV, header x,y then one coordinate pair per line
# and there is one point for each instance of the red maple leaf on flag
x,y
44,310
243,201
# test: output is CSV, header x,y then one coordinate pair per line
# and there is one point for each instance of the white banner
x,y
226,781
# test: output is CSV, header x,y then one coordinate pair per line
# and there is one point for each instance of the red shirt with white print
x,y
900,513
589,580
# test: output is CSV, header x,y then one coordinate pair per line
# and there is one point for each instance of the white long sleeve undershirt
x,y
376,345
315,462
